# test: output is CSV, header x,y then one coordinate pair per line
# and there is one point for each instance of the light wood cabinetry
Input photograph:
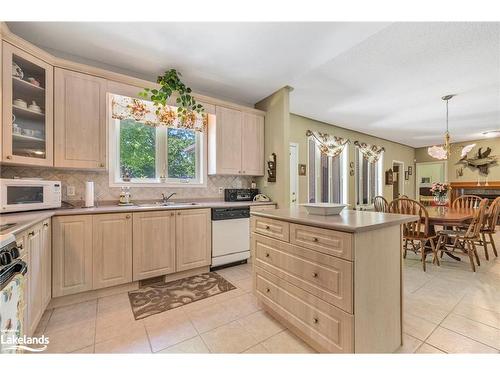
x,y
236,143
111,250
46,233
154,244
27,108
340,292
36,277
193,239
71,254
79,120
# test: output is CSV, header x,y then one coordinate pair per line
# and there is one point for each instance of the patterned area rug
x,y
154,298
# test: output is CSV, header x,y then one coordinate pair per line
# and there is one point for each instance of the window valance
x,y
371,153
329,145
124,107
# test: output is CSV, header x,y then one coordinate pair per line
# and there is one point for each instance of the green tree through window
x,y
181,145
137,149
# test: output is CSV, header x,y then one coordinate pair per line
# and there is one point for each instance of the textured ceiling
x,y
378,78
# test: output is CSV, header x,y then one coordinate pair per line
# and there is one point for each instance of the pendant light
x,y
442,152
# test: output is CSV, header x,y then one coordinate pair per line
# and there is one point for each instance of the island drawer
x,y
327,241
327,277
331,328
272,228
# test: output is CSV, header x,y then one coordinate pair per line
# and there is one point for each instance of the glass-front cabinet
x,y
27,108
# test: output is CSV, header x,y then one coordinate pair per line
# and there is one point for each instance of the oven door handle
x,y
12,270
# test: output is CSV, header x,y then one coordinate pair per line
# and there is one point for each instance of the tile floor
x,y
447,309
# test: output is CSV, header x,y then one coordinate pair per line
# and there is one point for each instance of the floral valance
x,y
124,107
329,145
371,153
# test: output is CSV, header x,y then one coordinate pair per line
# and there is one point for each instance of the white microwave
x,y
26,195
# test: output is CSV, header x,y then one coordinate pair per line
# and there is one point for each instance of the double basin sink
x,y
167,204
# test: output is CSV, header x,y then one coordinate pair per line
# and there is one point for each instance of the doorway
x,y
426,174
398,169
294,174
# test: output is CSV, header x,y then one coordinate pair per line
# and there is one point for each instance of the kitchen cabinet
x,y
252,145
236,143
79,120
111,250
27,104
193,236
154,244
46,263
35,279
72,254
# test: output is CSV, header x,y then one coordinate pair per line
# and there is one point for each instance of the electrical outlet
x,y
70,191
221,190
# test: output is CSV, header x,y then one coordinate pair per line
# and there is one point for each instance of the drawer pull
x,y
268,290
315,274
315,320
45,225
31,234
20,246
315,239
267,255
268,227
128,217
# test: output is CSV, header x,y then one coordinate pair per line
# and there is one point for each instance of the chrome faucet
x,y
165,199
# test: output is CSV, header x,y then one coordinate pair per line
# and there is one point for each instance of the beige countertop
x,y
348,220
24,220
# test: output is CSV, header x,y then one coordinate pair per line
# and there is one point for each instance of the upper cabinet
x,y
27,89
236,143
79,120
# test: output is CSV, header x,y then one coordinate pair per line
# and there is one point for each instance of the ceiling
x,y
384,79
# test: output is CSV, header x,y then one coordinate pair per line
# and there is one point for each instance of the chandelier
x,y
442,152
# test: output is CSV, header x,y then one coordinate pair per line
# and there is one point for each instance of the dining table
x,y
449,217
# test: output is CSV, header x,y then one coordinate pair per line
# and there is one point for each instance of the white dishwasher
x,y
230,235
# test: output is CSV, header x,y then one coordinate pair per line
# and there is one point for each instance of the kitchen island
x,y
335,281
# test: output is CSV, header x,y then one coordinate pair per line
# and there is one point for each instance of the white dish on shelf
x,y
324,209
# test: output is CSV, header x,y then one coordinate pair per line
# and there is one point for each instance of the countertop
x,y
24,220
348,220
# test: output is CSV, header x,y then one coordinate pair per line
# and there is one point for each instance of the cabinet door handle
x,y
268,227
31,234
45,225
178,213
315,239
315,320
172,213
268,290
128,217
267,255
20,246
101,165
243,172
9,157
315,274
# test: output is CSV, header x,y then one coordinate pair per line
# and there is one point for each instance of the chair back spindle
x,y
467,201
380,204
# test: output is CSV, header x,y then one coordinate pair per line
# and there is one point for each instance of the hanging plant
x,y
170,84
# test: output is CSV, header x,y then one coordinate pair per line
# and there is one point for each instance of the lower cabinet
x,y
154,244
71,255
111,250
103,250
193,237
46,233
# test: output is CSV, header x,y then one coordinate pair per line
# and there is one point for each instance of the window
x,y
327,180
155,155
368,179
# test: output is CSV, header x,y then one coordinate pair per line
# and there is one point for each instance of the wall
x,y
276,140
104,192
393,151
469,174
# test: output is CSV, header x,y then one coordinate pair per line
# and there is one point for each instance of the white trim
x,y
296,169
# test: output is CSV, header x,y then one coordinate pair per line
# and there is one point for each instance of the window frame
x,y
358,177
115,180
344,192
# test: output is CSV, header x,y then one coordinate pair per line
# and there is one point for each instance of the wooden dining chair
x,y
467,201
418,230
380,204
489,227
465,238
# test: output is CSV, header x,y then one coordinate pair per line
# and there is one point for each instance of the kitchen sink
x,y
167,204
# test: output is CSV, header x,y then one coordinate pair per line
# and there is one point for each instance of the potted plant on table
x,y
440,192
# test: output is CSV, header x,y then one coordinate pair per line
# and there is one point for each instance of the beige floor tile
x,y
217,299
109,328
87,350
410,344
261,325
229,338
421,307
134,342
62,317
452,342
235,273
166,330
114,303
286,342
72,337
417,327
478,314
243,305
44,321
193,345
472,329
428,349
257,349
246,284
212,316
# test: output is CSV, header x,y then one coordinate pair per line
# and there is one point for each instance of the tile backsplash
x,y
106,193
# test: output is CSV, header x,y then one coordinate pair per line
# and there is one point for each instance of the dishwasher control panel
x,y
230,213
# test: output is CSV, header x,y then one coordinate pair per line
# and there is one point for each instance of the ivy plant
x,y
171,83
